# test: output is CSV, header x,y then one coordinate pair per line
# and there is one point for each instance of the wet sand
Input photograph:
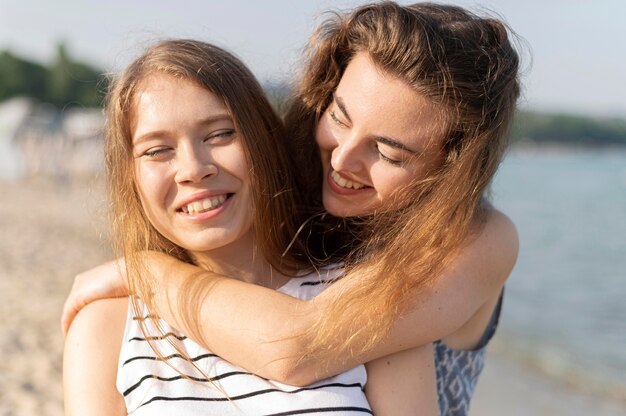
x,y
513,388
52,231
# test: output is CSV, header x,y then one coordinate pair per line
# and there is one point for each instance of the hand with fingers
x,y
107,280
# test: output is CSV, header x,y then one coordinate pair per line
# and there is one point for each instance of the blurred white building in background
x,y
39,140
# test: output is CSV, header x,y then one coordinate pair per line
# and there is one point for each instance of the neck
x,y
243,261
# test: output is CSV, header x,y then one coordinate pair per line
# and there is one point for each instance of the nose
x,y
348,155
194,163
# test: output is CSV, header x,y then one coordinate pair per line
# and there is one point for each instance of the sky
x,y
573,51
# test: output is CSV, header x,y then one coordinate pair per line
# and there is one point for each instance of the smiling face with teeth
x,y
190,168
377,136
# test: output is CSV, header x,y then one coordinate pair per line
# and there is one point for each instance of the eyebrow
x,y
205,122
215,118
342,107
380,139
395,144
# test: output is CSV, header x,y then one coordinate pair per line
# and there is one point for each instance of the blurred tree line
x,y
532,127
72,83
64,83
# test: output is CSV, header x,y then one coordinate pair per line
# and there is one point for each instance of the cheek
x,y
150,186
232,160
324,135
387,180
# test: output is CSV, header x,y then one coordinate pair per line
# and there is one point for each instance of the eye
x,y
220,137
156,152
335,118
390,160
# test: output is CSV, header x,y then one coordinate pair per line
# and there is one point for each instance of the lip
x,y
200,196
334,186
204,216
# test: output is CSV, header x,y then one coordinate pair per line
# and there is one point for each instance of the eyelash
x,y
334,117
393,162
222,134
388,160
155,152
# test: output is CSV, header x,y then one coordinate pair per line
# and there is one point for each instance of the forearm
x,y
259,329
263,330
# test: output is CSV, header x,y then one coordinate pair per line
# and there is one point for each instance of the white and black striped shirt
x,y
152,387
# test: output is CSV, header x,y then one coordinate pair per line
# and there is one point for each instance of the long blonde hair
x,y
467,67
275,196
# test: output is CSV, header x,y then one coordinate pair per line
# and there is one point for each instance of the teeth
x,y
206,204
345,183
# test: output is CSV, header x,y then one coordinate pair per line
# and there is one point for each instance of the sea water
x,y
565,302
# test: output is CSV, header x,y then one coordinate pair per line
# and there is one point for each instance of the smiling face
x,y
377,136
190,168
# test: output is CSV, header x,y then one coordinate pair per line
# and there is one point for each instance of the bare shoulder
x,y
99,320
499,223
486,261
497,242
90,359
96,333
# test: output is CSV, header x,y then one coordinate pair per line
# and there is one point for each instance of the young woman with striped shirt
x,y
197,167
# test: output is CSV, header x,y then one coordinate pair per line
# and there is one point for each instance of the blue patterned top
x,y
458,370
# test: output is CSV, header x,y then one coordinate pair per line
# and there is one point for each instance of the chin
x,y
341,209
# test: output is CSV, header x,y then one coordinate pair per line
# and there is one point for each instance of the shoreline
x,y
531,147
515,388
553,365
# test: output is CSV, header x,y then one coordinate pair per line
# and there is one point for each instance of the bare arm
x,y
257,328
102,282
90,360
403,383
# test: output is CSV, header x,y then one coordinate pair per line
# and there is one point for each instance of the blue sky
x,y
577,46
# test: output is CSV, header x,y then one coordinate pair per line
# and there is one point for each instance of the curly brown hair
x,y
467,67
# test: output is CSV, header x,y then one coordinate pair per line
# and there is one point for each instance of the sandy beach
x,y
51,231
